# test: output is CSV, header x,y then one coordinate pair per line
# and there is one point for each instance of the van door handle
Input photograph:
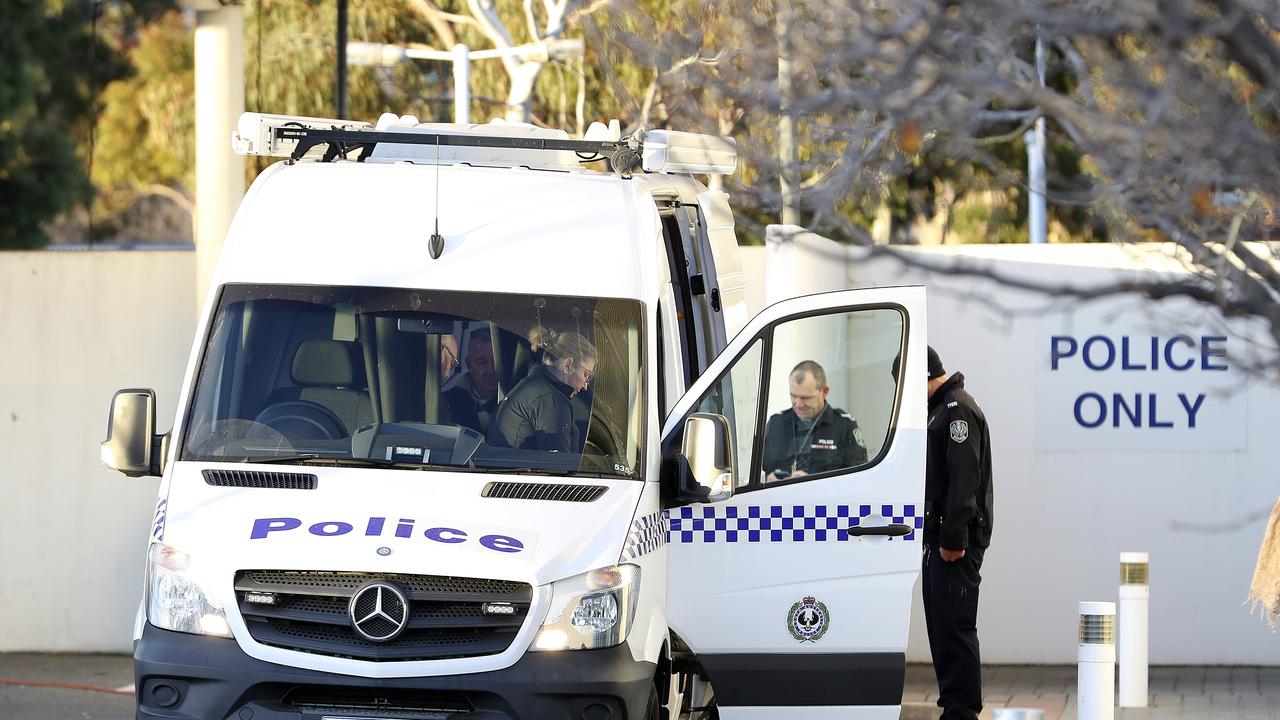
x,y
894,530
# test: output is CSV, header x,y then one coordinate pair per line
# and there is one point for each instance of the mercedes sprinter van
x,y
476,426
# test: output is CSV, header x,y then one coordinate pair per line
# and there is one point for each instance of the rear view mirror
x,y
708,449
427,324
130,431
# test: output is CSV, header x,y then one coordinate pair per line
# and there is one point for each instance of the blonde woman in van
x,y
537,414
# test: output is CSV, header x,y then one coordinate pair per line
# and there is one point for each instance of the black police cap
x,y
936,370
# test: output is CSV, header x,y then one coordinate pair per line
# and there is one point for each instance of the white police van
x,y
330,541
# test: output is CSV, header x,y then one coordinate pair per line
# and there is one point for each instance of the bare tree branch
x,y
576,17
531,22
440,21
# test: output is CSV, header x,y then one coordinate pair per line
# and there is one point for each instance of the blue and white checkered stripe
x,y
647,534
783,523
761,524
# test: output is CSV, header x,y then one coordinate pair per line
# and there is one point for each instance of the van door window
x,y
831,394
672,368
736,397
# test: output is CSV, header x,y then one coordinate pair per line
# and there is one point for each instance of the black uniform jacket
x,y
466,409
958,493
537,415
835,442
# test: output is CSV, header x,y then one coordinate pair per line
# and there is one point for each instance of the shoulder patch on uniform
x,y
857,437
959,431
953,403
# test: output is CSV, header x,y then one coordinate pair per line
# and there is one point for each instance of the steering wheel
x,y
303,420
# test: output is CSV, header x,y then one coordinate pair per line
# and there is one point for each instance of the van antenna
x,y
436,246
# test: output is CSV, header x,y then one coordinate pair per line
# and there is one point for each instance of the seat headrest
x,y
328,363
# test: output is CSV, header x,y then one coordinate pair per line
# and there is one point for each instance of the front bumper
x,y
180,676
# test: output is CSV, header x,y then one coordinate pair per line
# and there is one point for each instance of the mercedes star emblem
x,y
379,612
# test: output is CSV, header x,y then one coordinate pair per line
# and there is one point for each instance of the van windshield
x,y
421,379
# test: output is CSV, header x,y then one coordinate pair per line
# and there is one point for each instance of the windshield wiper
x,y
601,475
555,472
318,459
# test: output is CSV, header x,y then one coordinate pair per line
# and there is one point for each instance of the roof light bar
x,y
672,151
256,133
654,151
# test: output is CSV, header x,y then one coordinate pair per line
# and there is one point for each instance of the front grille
x,y
332,583
446,618
382,703
563,492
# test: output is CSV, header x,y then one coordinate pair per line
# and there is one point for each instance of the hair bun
x,y
541,337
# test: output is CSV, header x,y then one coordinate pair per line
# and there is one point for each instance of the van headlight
x,y
591,610
175,601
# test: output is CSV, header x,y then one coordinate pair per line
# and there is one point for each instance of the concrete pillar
x,y
788,157
219,59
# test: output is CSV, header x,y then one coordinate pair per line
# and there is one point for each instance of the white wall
x,y
77,326
1068,501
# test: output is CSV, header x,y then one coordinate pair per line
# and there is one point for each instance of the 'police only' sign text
x,y
1106,391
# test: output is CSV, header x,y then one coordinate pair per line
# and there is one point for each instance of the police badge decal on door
x,y
808,620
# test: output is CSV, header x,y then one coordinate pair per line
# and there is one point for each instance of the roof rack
x,y
654,151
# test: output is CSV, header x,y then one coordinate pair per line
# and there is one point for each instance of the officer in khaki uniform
x,y
811,436
957,531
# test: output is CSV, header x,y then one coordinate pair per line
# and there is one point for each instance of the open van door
x,y
795,592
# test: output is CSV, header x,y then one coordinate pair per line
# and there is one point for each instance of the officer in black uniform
x,y
811,436
472,401
957,531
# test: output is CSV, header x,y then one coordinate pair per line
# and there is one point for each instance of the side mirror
x,y
131,430
708,449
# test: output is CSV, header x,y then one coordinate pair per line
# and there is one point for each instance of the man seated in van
x,y
811,436
537,414
472,397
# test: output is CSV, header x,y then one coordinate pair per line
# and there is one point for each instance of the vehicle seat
x,y
330,373
512,359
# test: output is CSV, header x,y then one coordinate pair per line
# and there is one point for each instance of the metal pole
x,y
461,84
1096,678
1037,210
341,90
1135,594
219,100
789,184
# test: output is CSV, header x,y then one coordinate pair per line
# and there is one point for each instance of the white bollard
x,y
1135,593
1096,679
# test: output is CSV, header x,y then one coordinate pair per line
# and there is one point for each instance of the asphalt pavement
x,y
100,687
66,687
